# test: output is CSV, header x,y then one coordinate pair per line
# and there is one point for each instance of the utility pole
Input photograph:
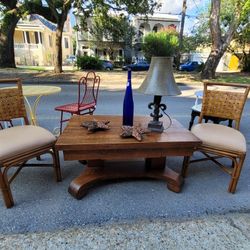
x,y
183,15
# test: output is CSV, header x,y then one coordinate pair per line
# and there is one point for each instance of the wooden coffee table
x,y
102,146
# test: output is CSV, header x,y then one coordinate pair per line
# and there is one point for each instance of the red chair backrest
x,y
88,87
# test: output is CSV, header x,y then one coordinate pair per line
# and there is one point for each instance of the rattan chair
x,y
88,87
18,144
219,141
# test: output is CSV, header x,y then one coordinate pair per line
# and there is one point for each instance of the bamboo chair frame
x,y
12,106
228,105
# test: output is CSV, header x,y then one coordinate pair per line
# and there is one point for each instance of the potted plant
x,y
160,44
159,48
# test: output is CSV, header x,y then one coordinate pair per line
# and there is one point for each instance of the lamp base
x,y
156,126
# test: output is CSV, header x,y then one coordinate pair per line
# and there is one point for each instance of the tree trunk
x,y
58,59
219,43
7,55
211,64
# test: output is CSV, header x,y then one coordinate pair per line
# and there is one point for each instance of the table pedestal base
x,y
97,171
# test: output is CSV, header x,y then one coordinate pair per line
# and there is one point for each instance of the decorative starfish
x,y
94,126
133,131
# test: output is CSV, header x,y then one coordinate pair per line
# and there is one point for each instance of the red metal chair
x,y
88,87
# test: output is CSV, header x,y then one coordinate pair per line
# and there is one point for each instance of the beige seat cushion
x,y
21,139
220,137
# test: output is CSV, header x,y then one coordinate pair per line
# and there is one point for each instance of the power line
x,y
196,5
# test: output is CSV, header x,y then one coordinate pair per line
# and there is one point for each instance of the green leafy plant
x,y
162,43
88,62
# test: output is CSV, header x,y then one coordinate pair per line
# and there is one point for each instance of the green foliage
x,y
201,30
88,62
115,28
162,43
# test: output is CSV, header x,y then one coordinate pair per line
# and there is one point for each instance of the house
x,y
34,41
154,23
143,25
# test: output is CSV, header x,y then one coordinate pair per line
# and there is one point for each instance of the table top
x,y
36,90
76,137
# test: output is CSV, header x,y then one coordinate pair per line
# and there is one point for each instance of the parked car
x,y
107,65
70,60
138,66
189,66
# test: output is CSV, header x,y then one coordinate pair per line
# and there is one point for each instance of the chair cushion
x,y
22,139
220,137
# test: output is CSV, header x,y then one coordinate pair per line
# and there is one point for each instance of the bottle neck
x,y
129,75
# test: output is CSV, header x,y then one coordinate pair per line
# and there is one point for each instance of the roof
x,y
45,22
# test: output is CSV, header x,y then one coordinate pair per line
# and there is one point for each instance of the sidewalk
x,y
212,232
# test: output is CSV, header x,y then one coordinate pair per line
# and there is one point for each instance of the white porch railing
x,y
26,46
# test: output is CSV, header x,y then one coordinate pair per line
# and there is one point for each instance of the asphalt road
x,y
41,204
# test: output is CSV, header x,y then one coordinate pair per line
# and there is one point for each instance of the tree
x,y
111,32
55,11
235,12
242,40
111,10
11,11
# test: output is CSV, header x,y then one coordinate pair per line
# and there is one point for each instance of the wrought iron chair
x,y
18,144
88,87
218,140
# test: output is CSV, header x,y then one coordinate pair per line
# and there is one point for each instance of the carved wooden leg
x,y
155,163
156,169
5,187
91,174
185,166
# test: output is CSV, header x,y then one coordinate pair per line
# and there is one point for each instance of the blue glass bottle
x,y
128,103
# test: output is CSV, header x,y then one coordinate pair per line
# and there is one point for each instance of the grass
x,y
234,78
35,68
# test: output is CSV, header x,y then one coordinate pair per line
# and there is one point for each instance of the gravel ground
x,y
213,232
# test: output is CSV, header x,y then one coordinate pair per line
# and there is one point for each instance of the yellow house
x,y
34,41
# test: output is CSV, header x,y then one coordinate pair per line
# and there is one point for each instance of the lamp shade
x,y
160,78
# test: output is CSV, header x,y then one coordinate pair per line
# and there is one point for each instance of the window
x,y
66,43
23,36
36,37
155,29
27,36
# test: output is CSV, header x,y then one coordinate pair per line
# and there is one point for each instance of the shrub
x,y
162,43
88,62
